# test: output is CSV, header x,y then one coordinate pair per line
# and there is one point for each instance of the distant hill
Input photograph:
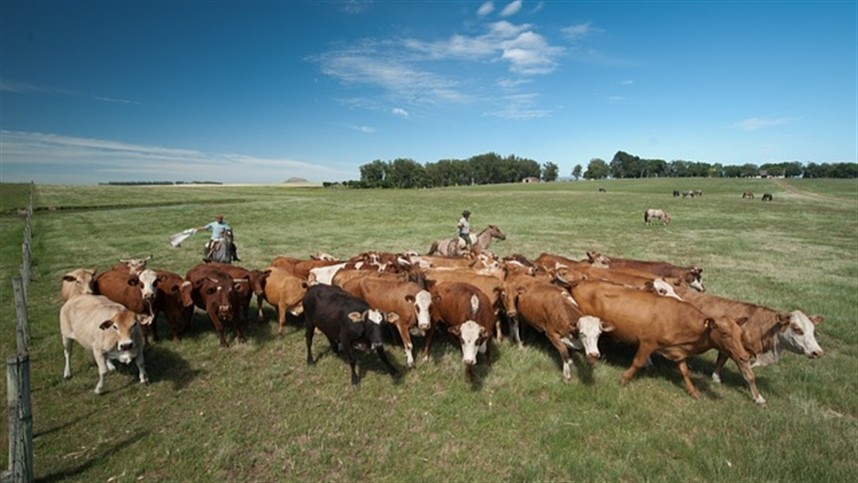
x,y
295,179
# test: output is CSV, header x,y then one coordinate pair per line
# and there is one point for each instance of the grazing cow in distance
x,y
602,190
406,303
345,320
676,193
77,282
767,197
468,315
748,195
656,214
108,329
674,329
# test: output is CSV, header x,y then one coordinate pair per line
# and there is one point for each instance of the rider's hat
x,y
466,213
219,217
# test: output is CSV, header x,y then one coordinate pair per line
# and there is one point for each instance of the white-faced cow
x,y
468,315
345,320
108,329
665,325
136,292
406,303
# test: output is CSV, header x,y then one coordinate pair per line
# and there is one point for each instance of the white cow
x,y
77,282
108,329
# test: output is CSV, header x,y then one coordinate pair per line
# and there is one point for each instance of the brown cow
x,y
467,313
175,301
214,292
108,329
489,285
284,291
406,303
77,282
551,310
254,283
665,325
693,276
136,292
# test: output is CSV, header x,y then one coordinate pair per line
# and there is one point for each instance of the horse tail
x,y
433,248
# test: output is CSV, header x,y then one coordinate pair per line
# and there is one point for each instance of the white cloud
x,y
363,129
615,99
511,9
626,82
578,32
755,123
520,107
51,158
398,111
485,9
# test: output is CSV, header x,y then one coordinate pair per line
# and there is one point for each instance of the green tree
x,y
597,169
576,172
549,171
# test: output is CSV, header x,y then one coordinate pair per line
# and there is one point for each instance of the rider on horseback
x,y
465,229
219,229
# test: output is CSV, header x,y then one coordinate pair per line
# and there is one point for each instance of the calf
x,y
467,313
551,310
285,291
213,291
665,325
175,301
406,303
345,320
108,329
77,282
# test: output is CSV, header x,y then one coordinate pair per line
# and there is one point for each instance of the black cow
x,y
767,197
675,193
345,320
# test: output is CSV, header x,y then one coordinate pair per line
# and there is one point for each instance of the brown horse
x,y
455,247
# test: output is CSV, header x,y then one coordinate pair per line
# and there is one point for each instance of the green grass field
x,y
256,412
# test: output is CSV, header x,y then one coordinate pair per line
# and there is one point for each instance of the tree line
x,y
492,168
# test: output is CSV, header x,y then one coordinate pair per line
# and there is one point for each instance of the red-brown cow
x,y
214,292
406,303
255,285
285,291
665,325
693,276
551,310
137,292
488,284
467,313
175,301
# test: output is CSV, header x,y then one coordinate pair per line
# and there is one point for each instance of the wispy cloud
x,y
57,159
577,32
17,87
116,100
398,111
485,9
520,107
363,129
356,6
626,82
755,123
511,9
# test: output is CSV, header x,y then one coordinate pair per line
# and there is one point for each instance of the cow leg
x,y
259,313
350,351
498,329
558,344
686,377
748,373
219,328
68,342
309,330
515,331
719,364
643,353
141,368
101,362
236,326
281,318
429,335
405,335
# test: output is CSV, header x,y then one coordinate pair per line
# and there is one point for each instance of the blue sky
x,y
258,92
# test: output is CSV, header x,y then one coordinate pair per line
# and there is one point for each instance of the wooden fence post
x,y
20,419
22,332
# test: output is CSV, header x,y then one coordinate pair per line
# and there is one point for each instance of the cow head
x,y
119,333
728,336
216,294
663,288
135,265
694,279
77,282
798,335
588,331
372,320
473,337
146,280
422,306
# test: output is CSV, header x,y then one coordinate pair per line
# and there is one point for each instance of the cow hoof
x,y
760,400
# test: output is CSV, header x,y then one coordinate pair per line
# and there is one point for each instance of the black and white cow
x,y
345,320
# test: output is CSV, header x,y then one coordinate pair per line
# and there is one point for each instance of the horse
x,y
659,214
220,250
747,194
455,247
767,197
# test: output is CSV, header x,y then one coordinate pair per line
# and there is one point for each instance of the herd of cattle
x,y
659,307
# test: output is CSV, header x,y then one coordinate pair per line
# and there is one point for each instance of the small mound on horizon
x,y
295,179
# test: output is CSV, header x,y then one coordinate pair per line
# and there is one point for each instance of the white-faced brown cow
x,y
136,292
551,310
406,303
489,285
77,282
767,331
107,329
467,313
674,329
284,291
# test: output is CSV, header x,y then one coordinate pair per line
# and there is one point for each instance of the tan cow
x,y
108,329
285,291
77,282
551,310
674,329
406,303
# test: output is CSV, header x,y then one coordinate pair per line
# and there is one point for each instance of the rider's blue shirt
x,y
217,228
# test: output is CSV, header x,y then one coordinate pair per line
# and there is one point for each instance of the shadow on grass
x,y
531,337
97,457
163,364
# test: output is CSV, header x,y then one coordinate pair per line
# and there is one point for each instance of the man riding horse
x,y
220,247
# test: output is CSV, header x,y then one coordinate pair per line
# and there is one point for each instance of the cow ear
x,y
484,332
816,319
356,317
133,281
783,319
454,329
410,298
68,278
606,327
393,317
105,325
741,321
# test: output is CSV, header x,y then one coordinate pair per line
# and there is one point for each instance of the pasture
x,y
256,412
